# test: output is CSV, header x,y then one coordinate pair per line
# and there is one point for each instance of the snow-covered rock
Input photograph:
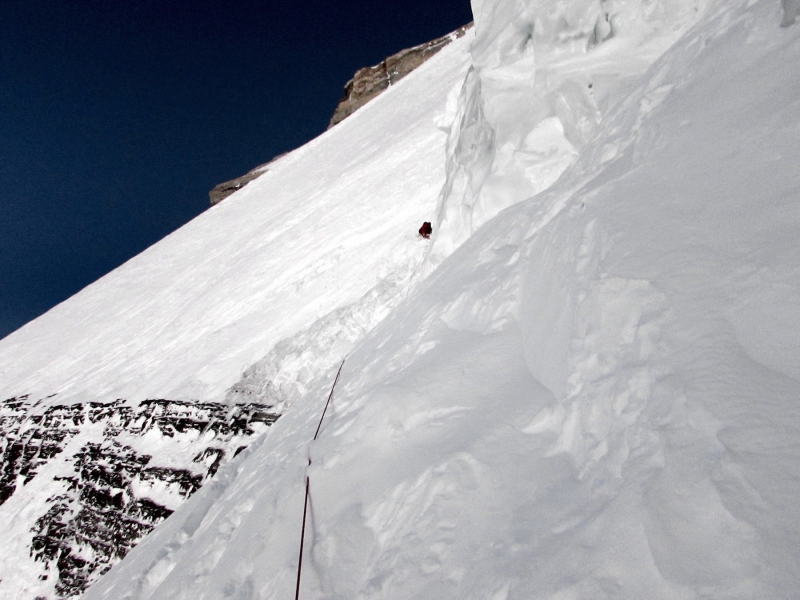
x,y
244,307
584,386
81,484
369,82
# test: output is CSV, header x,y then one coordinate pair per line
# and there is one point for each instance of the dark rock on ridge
x,y
225,189
113,492
365,85
369,82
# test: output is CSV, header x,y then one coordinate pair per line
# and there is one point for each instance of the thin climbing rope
x,y
339,372
308,487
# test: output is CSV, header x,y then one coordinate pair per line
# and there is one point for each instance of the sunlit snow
x,y
585,386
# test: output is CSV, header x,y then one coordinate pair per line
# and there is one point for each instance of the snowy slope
x,y
118,404
331,225
595,393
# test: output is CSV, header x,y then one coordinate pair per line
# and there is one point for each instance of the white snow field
x,y
333,225
586,386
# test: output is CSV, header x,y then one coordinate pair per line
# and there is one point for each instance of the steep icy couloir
x,y
596,394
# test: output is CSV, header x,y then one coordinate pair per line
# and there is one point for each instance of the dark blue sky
x,y
117,117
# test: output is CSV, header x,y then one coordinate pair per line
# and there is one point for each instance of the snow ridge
x,y
541,79
590,389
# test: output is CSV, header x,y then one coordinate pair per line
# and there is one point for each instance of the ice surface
x,y
590,392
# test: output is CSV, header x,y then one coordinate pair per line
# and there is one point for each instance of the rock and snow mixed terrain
x,y
586,385
241,310
369,82
101,476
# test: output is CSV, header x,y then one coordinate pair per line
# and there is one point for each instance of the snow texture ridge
x,y
238,312
593,393
585,386
543,74
324,227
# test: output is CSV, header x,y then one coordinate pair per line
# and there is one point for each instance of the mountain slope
x,y
594,392
584,386
186,317
121,402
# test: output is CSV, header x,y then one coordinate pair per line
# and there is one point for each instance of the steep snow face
x,y
119,403
594,397
331,227
543,75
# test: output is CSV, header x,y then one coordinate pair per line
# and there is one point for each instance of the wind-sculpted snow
x,y
543,75
588,391
594,395
282,376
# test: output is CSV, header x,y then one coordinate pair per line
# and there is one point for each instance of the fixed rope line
x,y
308,487
302,539
339,372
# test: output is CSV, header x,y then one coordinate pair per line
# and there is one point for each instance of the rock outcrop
x,y
365,85
225,189
369,82
118,469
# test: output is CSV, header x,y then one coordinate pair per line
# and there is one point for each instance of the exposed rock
x,y
369,82
113,491
225,189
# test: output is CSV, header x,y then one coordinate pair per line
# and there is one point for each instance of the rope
x,y
308,488
302,539
327,403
